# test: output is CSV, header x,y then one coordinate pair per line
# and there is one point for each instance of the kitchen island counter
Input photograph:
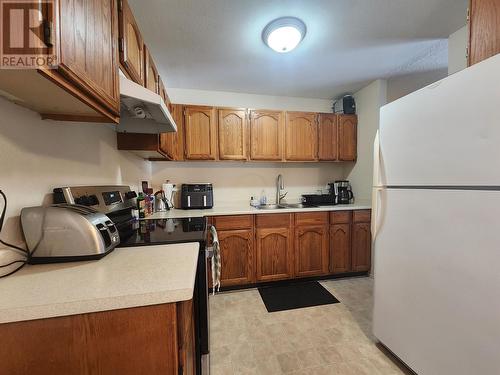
x,y
128,277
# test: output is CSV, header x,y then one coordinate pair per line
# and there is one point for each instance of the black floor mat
x,y
295,296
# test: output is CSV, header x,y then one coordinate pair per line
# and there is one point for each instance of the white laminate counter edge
x,y
239,209
128,277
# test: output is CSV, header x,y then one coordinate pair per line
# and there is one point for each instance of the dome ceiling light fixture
x,y
284,34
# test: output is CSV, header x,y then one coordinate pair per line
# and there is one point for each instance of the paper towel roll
x,y
168,188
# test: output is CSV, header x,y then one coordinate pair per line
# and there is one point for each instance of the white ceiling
x,y
217,45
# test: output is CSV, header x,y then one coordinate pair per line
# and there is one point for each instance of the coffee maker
x,y
342,191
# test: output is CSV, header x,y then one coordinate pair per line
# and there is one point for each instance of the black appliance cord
x,y
16,248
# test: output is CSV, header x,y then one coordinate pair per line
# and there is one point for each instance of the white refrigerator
x,y
436,225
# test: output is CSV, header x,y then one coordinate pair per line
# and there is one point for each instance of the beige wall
x,y
36,156
398,87
457,50
238,181
368,103
232,99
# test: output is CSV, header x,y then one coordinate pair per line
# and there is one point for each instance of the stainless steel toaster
x,y
67,232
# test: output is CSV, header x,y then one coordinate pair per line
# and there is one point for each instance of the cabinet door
x,y
151,77
274,254
233,130
266,135
200,133
347,137
172,144
361,247
163,94
484,30
328,137
88,49
301,136
311,250
131,44
340,248
186,338
237,256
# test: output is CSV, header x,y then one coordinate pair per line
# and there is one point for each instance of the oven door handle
x,y
209,252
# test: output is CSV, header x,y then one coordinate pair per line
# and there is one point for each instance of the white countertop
x,y
127,277
246,209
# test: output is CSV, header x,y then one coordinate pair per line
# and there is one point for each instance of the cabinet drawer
x,y
362,216
311,218
340,217
233,222
273,220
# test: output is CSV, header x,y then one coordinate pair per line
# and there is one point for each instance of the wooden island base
x,y
149,340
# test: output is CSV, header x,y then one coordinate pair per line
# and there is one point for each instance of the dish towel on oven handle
x,y
216,261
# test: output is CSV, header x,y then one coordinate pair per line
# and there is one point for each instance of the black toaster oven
x,y
197,196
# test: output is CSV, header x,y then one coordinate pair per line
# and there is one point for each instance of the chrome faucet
x,y
280,186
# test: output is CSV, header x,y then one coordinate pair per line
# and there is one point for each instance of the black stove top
x,y
163,231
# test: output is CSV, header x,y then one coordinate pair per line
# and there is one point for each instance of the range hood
x,y
142,111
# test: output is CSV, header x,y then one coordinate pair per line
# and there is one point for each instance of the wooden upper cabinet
x,y
88,38
311,250
172,144
266,135
233,134
200,133
328,137
151,77
131,44
484,30
237,255
301,136
347,137
163,94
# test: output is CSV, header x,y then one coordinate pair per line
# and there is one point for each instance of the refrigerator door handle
x,y
377,211
376,160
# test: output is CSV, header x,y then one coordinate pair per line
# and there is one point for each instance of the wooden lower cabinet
x,y
186,338
237,257
274,253
311,250
361,247
273,247
340,248
350,241
155,339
